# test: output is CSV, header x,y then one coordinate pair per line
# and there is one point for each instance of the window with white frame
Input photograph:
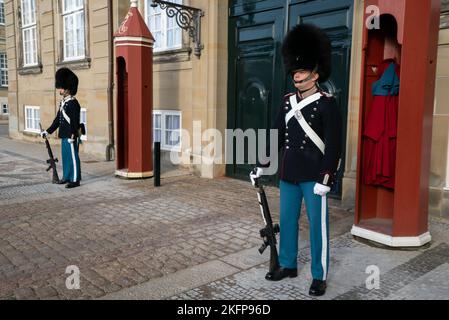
x,y
5,108
157,126
167,129
32,119
73,29
29,37
165,30
3,70
83,119
2,11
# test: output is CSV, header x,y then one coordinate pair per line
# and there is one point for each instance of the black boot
x,y
318,288
62,182
281,273
72,185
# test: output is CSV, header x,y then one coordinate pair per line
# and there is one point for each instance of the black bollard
x,y
157,164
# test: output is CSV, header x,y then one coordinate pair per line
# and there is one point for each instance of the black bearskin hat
x,y
307,47
66,79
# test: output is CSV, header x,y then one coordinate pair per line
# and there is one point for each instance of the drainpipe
x,y
110,149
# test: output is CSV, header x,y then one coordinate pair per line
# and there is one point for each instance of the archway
x,y
122,114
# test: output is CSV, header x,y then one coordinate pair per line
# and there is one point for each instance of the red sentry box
x,y
399,217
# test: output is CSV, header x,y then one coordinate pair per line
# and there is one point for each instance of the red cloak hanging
x,y
381,132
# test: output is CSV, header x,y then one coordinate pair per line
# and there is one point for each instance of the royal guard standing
x,y
68,122
309,127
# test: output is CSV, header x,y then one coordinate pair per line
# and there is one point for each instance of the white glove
x,y
44,134
255,174
321,190
71,141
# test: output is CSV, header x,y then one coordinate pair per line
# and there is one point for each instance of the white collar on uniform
x,y
68,98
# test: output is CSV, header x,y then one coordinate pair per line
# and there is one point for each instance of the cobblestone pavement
x,y
118,233
410,274
190,239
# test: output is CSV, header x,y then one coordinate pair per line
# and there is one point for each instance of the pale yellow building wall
x,y
3,90
439,179
350,175
197,86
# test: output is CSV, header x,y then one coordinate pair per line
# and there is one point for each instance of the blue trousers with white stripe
x,y
317,213
71,166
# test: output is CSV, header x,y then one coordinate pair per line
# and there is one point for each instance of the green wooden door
x,y
257,81
255,72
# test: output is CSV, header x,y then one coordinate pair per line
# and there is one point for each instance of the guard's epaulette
x,y
288,95
69,101
326,94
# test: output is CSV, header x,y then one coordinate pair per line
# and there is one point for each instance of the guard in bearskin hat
x,y
68,122
309,127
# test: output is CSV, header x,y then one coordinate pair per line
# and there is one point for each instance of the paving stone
x,y
125,233
418,274
25,293
46,292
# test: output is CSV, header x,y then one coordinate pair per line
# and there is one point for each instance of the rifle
x,y
52,161
270,231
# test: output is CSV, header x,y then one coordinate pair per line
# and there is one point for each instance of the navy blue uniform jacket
x,y
72,109
302,160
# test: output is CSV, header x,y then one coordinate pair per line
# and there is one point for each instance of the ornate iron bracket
x,y
187,18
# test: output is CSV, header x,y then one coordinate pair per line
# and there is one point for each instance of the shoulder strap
x,y
301,105
310,133
296,112
64,114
